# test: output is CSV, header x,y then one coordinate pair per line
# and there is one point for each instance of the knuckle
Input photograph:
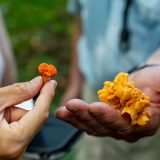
x,y
126,131
18,135
99,132
14,149
14,152
51,92
43,116
94,134
91,132
21,87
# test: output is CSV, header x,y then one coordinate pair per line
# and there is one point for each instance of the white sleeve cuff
x,y
27,105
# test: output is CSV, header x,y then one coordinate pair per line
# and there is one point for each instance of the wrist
x,y
142,66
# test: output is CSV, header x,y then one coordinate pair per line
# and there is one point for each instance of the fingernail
x,y
36,79
54,83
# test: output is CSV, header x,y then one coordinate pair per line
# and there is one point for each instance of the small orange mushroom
x,y
47,71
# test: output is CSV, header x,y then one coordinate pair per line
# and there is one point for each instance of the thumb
x,y
19,92
13,114
35,118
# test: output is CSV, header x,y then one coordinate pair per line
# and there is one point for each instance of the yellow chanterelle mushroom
x,y
122,95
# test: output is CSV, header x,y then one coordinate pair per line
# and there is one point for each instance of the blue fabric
x,y
99,54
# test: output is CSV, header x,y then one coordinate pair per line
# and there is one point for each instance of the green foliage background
x,y
40,32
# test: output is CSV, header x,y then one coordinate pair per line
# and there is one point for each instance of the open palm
x,y
99,119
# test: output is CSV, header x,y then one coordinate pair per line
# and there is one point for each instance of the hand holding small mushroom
x,y
17,128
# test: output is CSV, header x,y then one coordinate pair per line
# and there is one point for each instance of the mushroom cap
x,y
47,70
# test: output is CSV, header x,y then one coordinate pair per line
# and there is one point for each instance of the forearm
x,y
152,61
76,77
10,75
155,58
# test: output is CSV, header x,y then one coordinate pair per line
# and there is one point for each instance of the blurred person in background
x,y
109,37
8,72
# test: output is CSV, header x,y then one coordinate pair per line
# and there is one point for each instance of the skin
x,y
18,127
10,72
76,78
99,119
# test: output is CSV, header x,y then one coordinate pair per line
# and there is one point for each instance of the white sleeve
x,y
27,105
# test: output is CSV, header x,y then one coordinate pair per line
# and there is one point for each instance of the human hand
x,y
17,128
99,119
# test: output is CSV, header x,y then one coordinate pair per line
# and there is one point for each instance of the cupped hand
x,y
99,119
18,127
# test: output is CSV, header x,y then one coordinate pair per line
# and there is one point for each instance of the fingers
x,y
76,113
152,125
109,117
13,114
96,115
81,111
99,119
19,92
64,114
79,108
34,119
